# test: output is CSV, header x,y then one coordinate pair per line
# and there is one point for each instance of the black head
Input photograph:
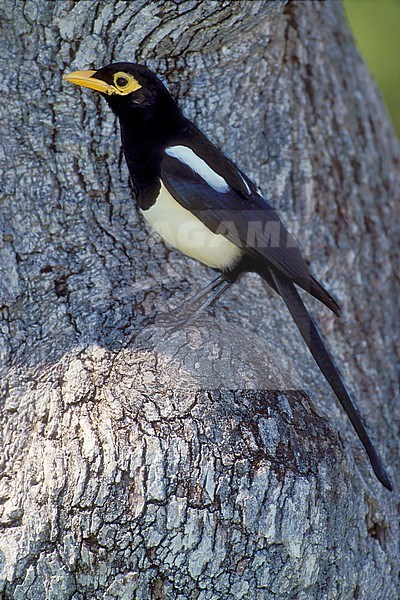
x,y
126,86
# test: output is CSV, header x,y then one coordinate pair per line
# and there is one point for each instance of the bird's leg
x,y
197,304
209,295
206,291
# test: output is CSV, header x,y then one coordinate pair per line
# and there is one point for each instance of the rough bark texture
x,y
139,462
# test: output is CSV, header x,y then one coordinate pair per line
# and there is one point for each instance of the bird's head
x,y
147,112
125,86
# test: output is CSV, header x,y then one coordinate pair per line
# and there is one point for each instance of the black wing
x,y
247,221
241,214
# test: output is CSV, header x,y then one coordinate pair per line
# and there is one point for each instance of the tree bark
x,y
212,461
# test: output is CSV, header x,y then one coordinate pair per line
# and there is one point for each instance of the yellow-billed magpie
x,y
205,206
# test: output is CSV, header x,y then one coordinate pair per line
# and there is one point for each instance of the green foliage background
x,y
376,27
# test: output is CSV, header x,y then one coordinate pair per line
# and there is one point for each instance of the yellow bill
x,y
123,83
86,79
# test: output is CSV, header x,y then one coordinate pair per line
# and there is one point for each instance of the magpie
x,y
206,207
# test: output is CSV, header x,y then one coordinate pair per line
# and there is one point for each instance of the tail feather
x,y
323,359
314,288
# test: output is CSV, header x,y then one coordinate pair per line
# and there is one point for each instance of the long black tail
x,y
323,359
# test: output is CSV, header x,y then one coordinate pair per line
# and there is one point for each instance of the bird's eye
x,y
122,82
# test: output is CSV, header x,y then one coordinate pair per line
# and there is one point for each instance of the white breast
x,y
180,228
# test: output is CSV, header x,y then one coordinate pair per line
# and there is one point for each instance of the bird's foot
x,y
194,307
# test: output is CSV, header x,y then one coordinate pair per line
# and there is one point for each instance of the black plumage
x,y
180,177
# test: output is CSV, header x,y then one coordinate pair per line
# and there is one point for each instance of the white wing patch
x,y
246,184
199,166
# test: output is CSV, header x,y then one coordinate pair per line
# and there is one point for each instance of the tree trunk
x,y
211,461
